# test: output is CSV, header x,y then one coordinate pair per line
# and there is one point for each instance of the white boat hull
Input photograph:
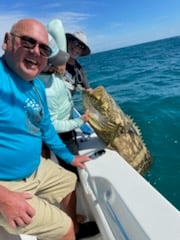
x,y
124,205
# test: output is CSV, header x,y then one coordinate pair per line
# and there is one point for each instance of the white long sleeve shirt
x,y
60,103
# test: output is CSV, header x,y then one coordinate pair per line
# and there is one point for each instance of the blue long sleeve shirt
x,y
24,123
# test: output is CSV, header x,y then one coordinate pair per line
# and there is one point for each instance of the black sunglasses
x,y
30,43
76,43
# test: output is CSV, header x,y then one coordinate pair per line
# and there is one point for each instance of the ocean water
x,y
145,81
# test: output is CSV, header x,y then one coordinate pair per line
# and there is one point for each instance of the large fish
x,y
116,129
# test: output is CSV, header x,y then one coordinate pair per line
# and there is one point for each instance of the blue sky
x,y
109,24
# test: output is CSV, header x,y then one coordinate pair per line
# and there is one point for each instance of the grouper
x,y
116,129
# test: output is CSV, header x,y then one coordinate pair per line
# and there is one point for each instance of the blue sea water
x,y
145,81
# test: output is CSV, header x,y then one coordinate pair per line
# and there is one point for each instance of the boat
x,y
123,204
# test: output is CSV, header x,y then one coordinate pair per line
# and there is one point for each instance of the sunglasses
x,y
76,43
30,43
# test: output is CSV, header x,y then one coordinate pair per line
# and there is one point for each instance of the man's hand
x,y
80,160
85,116
14,207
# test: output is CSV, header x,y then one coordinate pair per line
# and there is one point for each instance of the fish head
x,y
100,106
95,100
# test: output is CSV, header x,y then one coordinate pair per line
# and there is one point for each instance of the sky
x,y
108,24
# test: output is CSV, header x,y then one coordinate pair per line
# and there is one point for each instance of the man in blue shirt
x,y
31,187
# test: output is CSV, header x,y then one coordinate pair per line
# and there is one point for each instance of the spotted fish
x,y
116,129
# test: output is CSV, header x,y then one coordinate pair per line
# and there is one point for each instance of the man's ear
x,y
6,38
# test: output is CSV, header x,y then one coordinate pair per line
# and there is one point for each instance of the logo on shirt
x,y
33,115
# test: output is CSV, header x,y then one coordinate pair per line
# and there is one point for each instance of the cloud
x,y
51,5
7,20
72,21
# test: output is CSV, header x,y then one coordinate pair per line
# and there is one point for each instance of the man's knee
x,y
70,235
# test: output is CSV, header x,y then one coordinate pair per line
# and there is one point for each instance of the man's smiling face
x,y
26,62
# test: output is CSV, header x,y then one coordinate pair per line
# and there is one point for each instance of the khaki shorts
x,y
49,185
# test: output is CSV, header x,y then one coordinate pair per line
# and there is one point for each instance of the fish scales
x,y
116,129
